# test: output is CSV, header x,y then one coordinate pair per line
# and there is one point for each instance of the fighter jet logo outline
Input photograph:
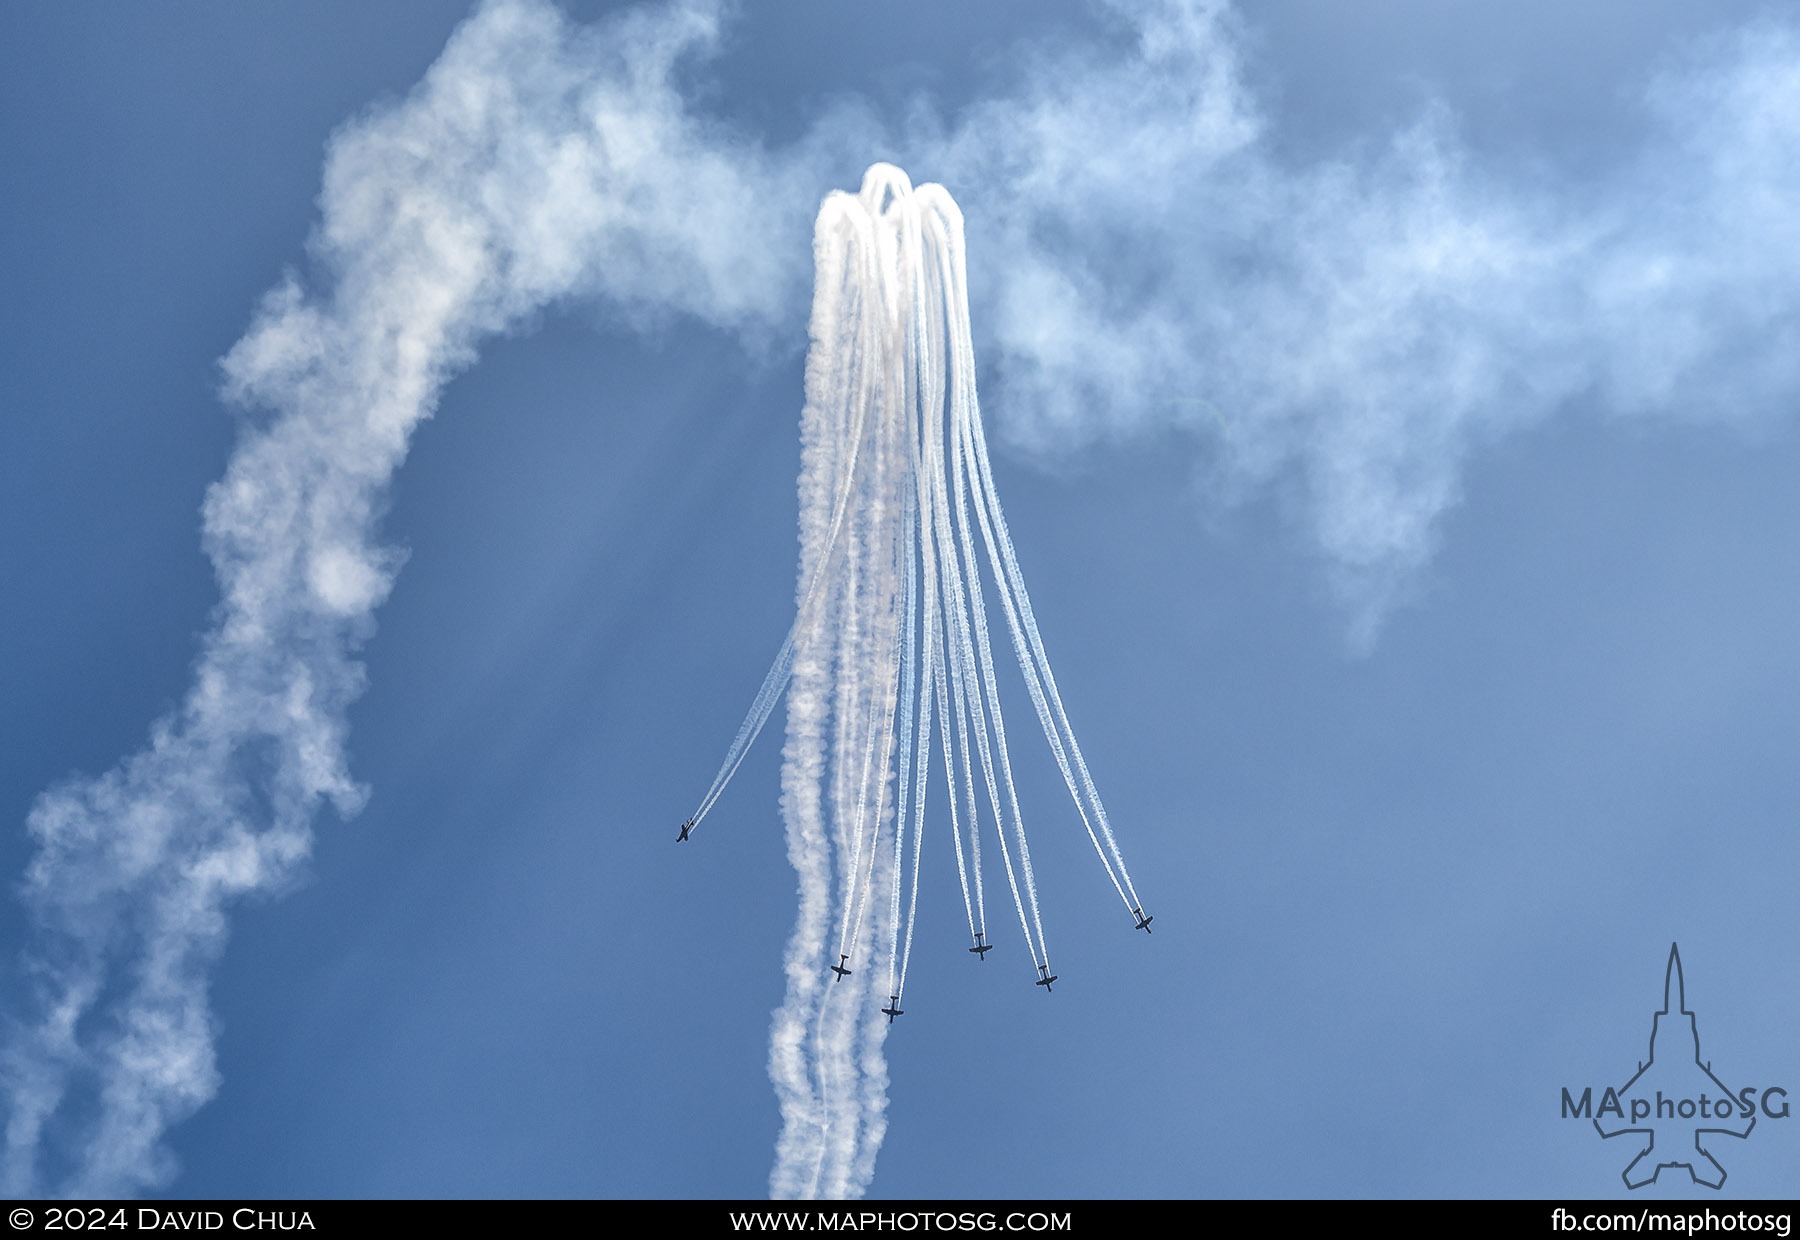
x,y
1683,1120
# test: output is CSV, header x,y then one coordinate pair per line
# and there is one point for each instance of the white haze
x,y
1142,258
1354,329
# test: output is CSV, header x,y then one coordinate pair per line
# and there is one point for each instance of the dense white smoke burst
x,y
891,635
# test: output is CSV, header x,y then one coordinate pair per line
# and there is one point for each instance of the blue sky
x,y
1394,415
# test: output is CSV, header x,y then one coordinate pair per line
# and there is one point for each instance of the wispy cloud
x,y
535,162
1354,329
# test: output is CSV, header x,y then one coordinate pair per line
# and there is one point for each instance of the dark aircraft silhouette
x,y
1667,1138
981,949
1143,921
893,1008
685,828
1046,979
841,971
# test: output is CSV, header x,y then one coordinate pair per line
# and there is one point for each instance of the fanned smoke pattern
x,y
889,580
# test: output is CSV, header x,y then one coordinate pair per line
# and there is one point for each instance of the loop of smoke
x,y
894,456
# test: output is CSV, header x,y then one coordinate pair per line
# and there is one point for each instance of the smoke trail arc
x,y
889,668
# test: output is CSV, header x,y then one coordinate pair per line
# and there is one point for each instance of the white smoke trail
x,y
828,458
826,1060
965,677
1028,646
977,657
950,701
896,437
1350,331
533,163
775,682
